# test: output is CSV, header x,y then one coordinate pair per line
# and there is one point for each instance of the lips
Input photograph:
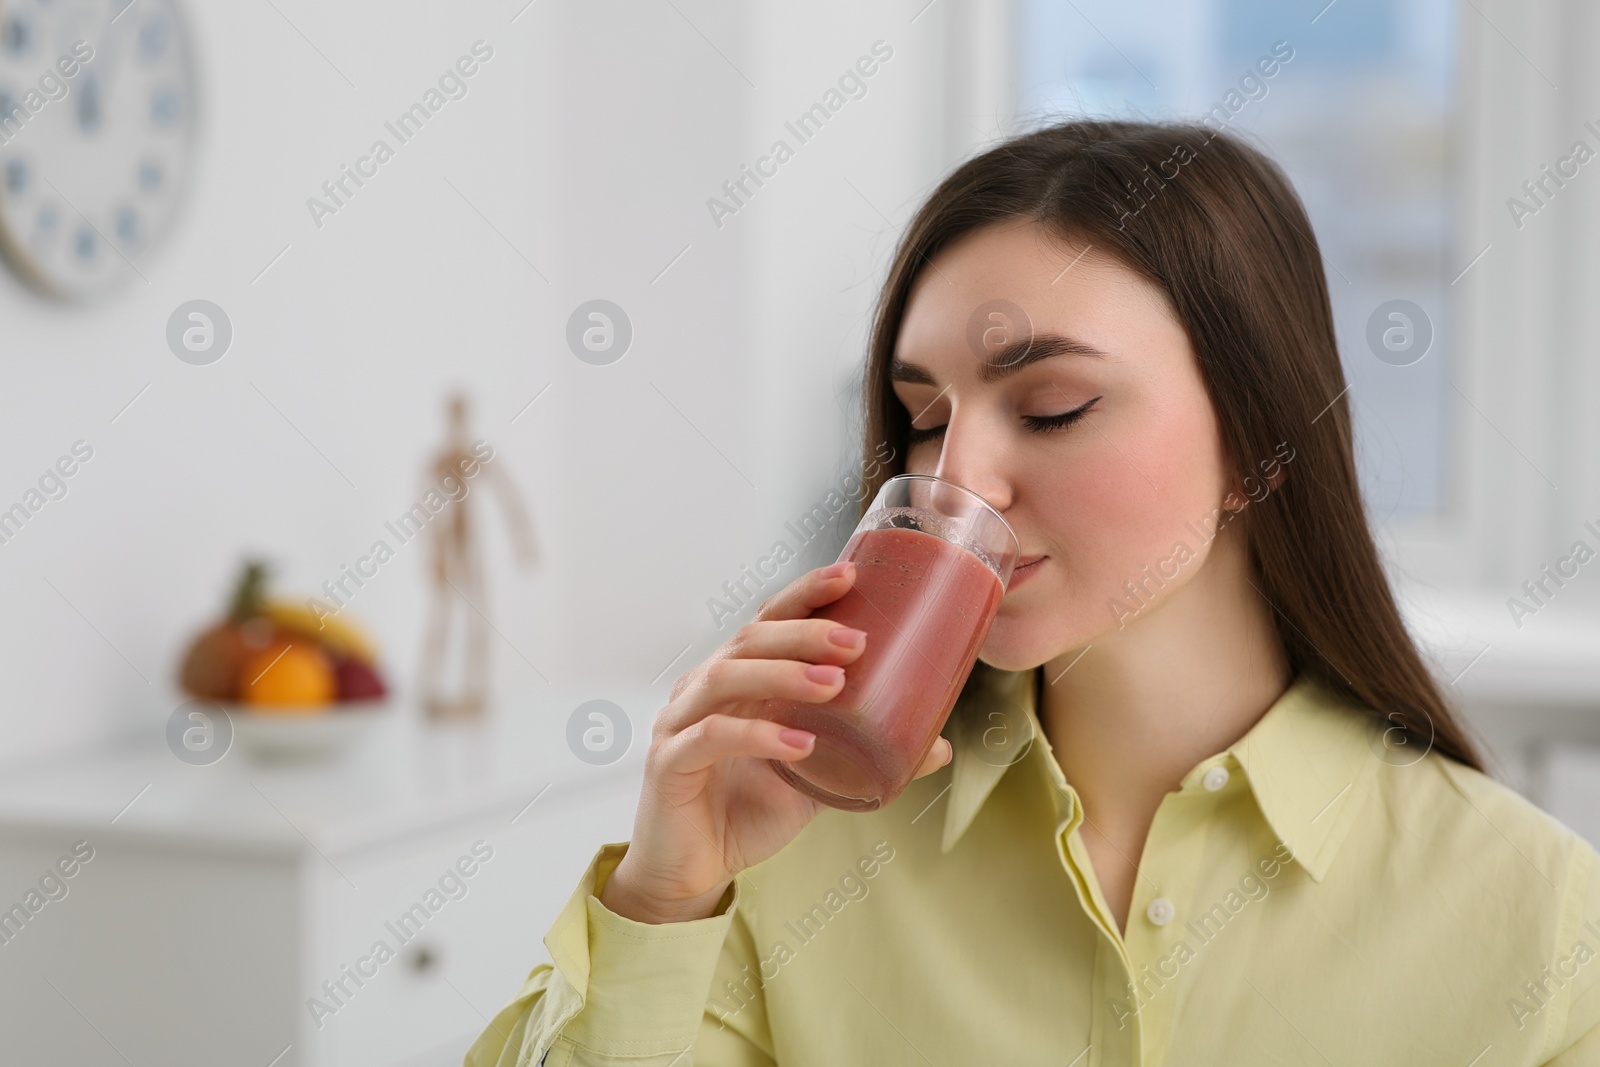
x,y
1025,568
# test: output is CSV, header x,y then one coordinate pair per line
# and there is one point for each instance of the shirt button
x,y
1160,911
1215,779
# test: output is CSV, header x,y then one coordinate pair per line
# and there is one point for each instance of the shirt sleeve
x,y
1578,1043
619,991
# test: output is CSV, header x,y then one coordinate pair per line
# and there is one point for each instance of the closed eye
x,y
1035,423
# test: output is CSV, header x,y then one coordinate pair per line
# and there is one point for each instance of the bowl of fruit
x,y
295,682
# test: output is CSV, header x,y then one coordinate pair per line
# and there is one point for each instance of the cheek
x,y
1126,507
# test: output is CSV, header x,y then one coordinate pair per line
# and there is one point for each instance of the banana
x,y
339,635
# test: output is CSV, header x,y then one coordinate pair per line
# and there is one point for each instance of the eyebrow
x,y
1007,360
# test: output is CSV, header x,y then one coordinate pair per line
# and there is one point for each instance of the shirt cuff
x,y
644,985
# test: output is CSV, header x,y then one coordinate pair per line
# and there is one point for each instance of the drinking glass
x,y
933,560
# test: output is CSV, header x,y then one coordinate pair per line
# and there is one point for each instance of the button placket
x,y
1168,869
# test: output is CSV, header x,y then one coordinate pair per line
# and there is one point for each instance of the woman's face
x,y
1106,499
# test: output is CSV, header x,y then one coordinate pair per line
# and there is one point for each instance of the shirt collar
x,y
1307,760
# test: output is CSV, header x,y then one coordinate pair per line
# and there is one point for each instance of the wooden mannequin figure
x,y
458,628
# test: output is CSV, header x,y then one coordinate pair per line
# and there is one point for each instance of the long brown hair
x,y
1217,225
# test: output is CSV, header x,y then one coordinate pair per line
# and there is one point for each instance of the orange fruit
x,y
292,676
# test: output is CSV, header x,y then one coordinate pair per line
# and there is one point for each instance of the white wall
x,y
591,141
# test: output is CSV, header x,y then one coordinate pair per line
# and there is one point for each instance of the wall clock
x,y
97,129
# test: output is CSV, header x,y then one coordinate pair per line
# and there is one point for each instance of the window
x,y
1361,118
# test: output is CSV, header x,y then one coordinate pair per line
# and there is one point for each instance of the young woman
x,y
1204,803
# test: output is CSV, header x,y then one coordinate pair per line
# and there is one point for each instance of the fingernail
x,y
833,570
826,673
846,637
796,738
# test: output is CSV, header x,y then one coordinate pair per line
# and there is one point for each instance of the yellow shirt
x,y
1309,896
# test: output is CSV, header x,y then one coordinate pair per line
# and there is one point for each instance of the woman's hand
x,y
711,804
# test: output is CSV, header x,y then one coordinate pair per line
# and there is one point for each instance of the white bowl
x,y
271,734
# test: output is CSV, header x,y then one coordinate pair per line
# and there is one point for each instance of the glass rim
x,y
973,493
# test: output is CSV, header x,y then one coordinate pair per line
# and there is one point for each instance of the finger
x,y
719,737
728,680
937,757
808,640
735,679
808,592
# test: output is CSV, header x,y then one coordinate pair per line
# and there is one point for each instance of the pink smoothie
x,y
926,606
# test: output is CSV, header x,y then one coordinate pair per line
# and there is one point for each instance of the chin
x,y
1001,664
1016,644
1006,652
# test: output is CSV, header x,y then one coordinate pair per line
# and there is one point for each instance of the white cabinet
x,y
216,906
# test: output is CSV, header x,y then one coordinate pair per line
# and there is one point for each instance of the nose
x,y
970,456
